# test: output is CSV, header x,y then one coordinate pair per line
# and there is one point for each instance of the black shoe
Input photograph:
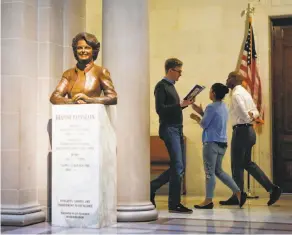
x,y
152,196
232,201
275,195
243,197
180,209
208,206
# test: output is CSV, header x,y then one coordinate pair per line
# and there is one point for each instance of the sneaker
x,y
275,195
180,209
232,201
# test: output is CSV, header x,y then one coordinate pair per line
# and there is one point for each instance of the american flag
x,y
249,71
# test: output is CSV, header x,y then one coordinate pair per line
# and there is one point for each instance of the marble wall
x,y
58,23
94,23
19,44
206,36
36,48
18,92
50,66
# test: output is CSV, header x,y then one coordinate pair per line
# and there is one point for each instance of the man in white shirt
x,y
243,112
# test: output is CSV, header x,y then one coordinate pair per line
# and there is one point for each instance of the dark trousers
x,y
243,139
172,135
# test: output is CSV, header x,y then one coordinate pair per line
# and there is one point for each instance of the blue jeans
x,y
172,135
213,155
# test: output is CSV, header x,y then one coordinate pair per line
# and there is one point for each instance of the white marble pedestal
x,y
83,166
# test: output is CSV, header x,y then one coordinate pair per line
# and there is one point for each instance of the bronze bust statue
x,y
86,83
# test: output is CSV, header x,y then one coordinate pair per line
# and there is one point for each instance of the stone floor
x,y
256,217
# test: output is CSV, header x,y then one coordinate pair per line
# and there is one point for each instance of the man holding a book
x,y
169,108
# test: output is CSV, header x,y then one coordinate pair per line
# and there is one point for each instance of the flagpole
x,y
249,11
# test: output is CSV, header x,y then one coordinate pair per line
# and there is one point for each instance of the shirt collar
x,y
87,68
236,88
169,80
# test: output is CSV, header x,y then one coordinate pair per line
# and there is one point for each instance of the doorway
x,y
281,59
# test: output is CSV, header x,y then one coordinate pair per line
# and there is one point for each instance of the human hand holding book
x,y
191,96
185,103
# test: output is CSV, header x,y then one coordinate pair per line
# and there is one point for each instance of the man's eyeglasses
x,y
178,71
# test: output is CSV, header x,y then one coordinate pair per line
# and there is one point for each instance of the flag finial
x,y
248,11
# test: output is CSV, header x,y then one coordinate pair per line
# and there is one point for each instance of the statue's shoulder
x,y
69,73
100,70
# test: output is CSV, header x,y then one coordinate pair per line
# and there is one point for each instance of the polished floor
x,y
255,218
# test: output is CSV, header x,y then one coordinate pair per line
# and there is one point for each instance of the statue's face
x,y
84,51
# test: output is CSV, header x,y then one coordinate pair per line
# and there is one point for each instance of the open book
x,y
194,92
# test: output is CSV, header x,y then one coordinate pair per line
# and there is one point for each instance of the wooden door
x,y
282,102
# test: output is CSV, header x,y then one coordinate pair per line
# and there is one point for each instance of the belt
x,y
221,144
241,125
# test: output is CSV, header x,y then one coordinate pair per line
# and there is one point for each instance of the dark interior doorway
x,y
281,59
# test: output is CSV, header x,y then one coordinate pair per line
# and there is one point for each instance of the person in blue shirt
x,y
214,122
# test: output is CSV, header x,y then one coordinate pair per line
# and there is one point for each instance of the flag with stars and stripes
x,y
249,70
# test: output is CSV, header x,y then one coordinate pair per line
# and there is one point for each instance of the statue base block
x,y
83,166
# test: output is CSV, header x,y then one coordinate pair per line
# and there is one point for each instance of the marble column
x,y
58,22
50,68
19,197
125,51
74,22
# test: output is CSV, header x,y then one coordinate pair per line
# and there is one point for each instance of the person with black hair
x,y
214,123
243,113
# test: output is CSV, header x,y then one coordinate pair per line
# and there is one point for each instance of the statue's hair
x,y
90,39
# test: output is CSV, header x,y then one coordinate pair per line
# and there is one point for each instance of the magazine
x,y
194,92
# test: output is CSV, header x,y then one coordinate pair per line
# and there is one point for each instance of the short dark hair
x,y
171,63
90,39
220,90
236,76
